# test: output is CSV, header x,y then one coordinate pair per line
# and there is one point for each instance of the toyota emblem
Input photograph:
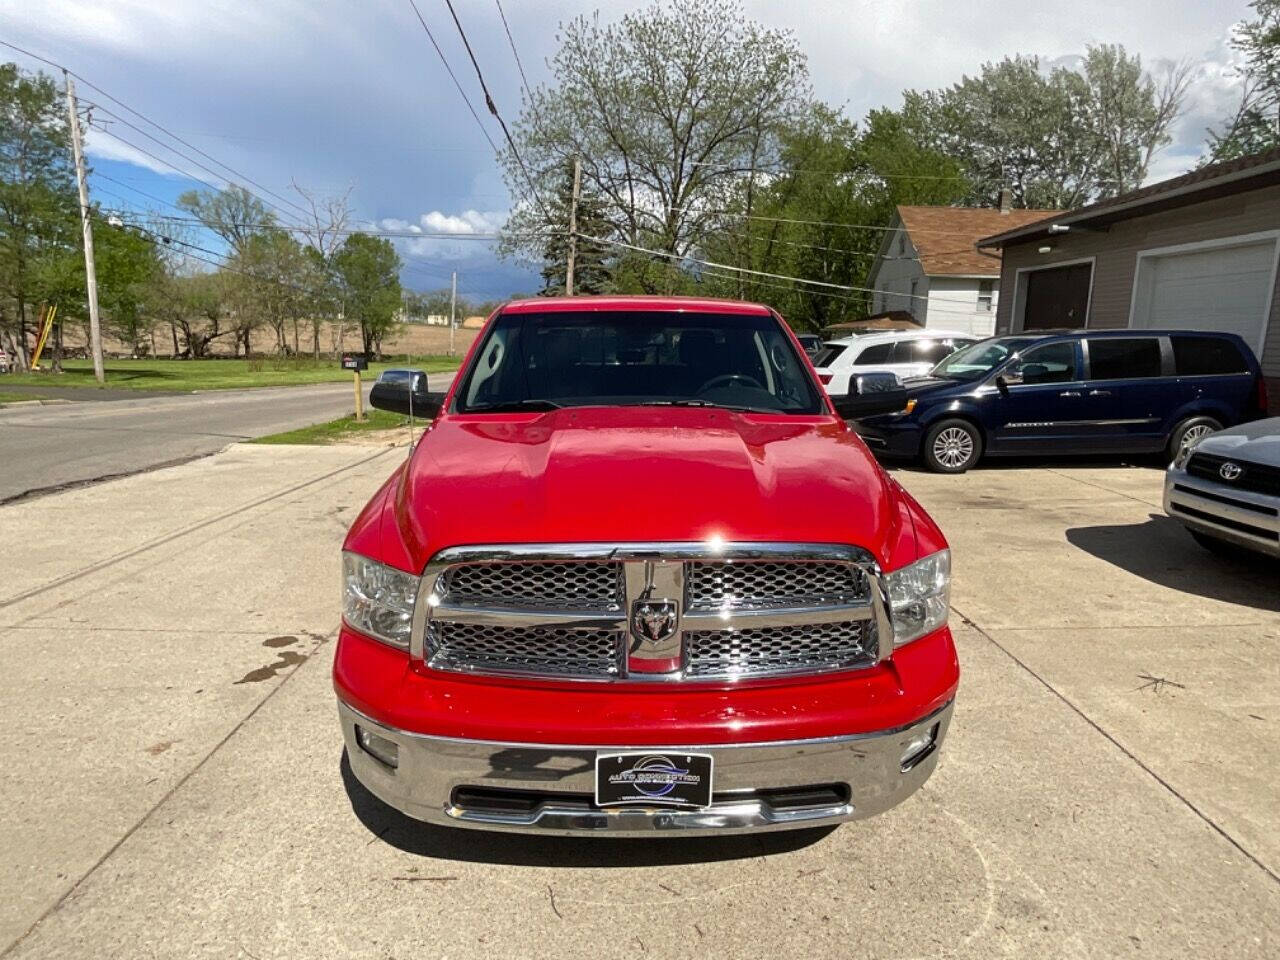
x,y
1230,471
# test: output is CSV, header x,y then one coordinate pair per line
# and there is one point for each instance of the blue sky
x,y
338,95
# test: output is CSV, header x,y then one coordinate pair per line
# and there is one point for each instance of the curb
x,y
34,403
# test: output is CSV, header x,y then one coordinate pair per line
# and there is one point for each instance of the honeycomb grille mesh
x,y
554,651
757,584
779,650
563,586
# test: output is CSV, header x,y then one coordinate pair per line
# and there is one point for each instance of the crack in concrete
x,y
1079,711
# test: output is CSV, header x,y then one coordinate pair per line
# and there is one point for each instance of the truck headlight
x,y
1184,453
378,600
919,597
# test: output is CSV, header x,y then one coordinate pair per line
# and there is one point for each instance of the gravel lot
x,y
173,783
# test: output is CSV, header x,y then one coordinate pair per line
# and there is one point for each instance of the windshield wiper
x,y
508,406
677,402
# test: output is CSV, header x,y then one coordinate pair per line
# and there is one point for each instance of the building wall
x,y
953,305
1116,253
893,280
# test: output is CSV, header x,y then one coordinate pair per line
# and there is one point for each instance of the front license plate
x,y
653,779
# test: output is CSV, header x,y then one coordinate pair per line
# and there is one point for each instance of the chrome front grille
x,y
774,651
577,611
554,651
557,585
758,584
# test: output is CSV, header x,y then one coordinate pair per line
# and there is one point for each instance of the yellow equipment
x,y
49,313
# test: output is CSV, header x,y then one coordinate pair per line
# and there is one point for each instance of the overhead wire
x,y
453,76
493,109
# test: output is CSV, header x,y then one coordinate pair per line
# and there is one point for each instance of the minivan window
x,y
1124,358
1205,356
876,353
978,359
1051,363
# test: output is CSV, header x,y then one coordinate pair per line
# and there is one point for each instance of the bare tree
x,y
324,229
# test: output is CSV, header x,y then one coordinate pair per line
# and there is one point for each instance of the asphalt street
x,y
43,447
174,784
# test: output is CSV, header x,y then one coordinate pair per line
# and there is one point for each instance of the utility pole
x,y
453,310
90,274
573,227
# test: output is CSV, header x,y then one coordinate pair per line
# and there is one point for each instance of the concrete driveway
x,y
173,783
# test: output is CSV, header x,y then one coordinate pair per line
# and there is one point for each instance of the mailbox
x,y
355,361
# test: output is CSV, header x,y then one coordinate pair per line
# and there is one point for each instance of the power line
x,y
159,127
762,273
524,81
493,109
830,223
453,77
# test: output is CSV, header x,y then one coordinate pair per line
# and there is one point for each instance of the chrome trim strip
x,y
529,617
741,618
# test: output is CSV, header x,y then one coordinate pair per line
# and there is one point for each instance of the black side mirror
x,y
1003,386
407,396
856,406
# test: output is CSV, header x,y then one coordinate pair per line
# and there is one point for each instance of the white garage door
x,y
1225,288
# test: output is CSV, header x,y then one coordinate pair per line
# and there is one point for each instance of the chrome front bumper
x,y
434,774
1242,517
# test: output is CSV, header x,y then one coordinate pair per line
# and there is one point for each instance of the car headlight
x,y
378,600
919,597
1184,453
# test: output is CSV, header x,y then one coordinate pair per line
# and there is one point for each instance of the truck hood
x,y
633,474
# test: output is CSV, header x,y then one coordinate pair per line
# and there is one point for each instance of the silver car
x,y
1225,489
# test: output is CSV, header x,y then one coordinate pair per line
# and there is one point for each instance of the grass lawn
x,y
185,375
322,433
14,397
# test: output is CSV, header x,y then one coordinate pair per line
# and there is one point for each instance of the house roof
x,y
945,238
1207,183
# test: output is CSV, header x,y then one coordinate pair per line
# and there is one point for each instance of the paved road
x,y
50,446
173,784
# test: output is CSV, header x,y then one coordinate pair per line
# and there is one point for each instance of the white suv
x,y
905,353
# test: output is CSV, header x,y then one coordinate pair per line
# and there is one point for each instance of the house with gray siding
x,y
928,266
1197,252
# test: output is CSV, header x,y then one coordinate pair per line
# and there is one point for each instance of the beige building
x,y
1197,252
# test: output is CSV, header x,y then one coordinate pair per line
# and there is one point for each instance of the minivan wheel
x,y
952,446
1190,431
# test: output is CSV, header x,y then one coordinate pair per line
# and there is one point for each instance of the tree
x,y
1055,139
324,228
1255,126
38,206
234,214
273,279
127,265
368,272
816,216
591,272
665,107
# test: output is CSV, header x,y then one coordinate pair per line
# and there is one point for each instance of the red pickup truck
x,y
639,576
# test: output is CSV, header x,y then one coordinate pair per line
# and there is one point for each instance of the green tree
x,y
275,281
38,206
234,214
1055,139
368,273
1255,126
665,107
816,215
591,273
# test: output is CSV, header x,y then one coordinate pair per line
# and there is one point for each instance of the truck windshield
x,y
633,358
979,359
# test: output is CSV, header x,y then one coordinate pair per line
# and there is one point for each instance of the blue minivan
x,y
1112,391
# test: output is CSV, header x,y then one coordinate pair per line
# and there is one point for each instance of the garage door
x,y
1225,288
